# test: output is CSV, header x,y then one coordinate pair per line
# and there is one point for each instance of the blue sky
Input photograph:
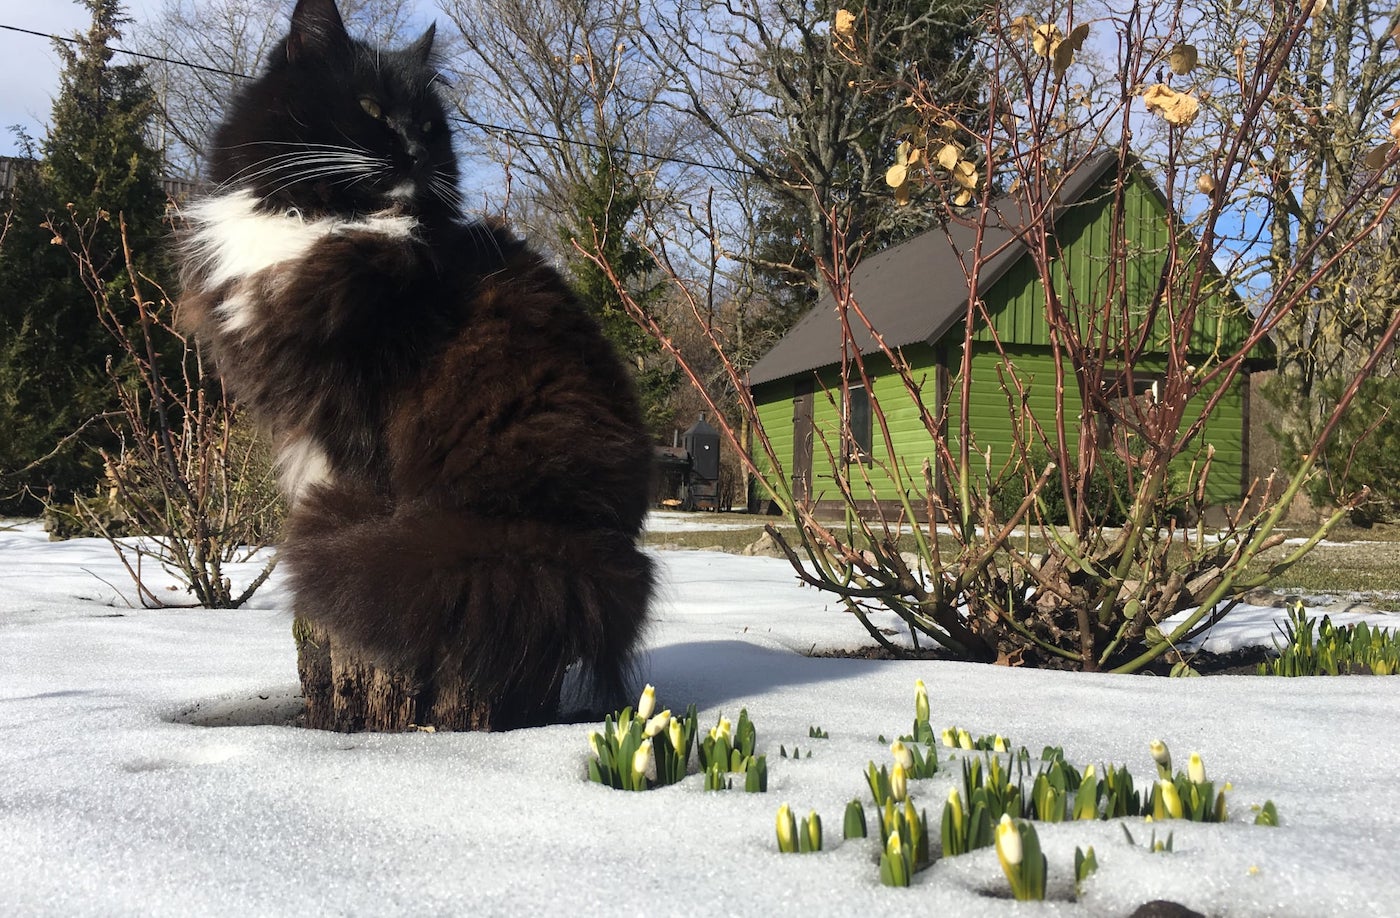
x,y
28,65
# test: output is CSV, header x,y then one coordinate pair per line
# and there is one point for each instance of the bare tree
x,y
990,578
209,47
1321,133
560,90
763,82
187,493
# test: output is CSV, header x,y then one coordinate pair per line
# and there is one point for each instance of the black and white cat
x,y
462,450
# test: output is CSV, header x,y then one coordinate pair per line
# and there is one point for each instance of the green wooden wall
x,y
994,413
1016,305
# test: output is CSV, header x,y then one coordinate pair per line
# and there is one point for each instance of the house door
x,y
802,441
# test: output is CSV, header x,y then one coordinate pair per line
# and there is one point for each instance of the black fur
x,y
309,107
488,467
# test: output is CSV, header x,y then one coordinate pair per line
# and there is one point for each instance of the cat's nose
x,y
416,150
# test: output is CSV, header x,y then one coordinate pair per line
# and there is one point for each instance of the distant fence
x,y
12,166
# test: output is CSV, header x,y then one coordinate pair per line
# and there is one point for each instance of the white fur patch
x,y
301,464
233,239
236,313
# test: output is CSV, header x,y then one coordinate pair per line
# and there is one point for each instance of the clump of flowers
x,y
958,738
1313,648
729,750
1061,792
638,750
1186,794
906,851
798,838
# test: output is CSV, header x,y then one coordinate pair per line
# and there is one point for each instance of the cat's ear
x,y
422,49
317,30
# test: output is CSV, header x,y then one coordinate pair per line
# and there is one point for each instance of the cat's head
x,y
335,126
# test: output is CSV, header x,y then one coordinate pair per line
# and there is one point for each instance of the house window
x,y
858,425
1130,406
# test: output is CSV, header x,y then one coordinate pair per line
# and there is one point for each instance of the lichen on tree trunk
x,y
347,693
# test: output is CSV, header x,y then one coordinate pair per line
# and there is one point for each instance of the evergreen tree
x,y
825,172
602,209
94,166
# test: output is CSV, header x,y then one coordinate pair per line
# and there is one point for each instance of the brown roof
x,y
916,291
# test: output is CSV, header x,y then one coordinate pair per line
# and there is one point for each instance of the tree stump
x,y
348,694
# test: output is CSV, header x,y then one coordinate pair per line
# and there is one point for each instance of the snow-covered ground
x,y
117,798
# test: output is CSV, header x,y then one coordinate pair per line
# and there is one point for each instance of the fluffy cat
x,y
462,451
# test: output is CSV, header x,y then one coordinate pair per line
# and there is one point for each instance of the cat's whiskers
x,y
348,159
287,169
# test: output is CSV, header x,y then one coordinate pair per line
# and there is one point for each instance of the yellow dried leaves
x,y
1045,39
911,161
1049,42
1183,59
908,159
1176,108
845,24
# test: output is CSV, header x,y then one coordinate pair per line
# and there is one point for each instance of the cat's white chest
x,y
232,239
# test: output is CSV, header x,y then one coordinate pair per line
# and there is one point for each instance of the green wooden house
x,y
916,295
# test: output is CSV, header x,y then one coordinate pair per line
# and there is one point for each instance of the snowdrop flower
x,y
902,755
677,735
1162,756
787,829
999,744
949,738
647,703
899,783
920,701
813,827
1171,800
964,739
658,723
955,811
641,759
1008,842
894,847
1196,769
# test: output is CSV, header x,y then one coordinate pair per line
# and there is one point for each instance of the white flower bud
x,y
899,783
641,759
658,723
647,703
1008,841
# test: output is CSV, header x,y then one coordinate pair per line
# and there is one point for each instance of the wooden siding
x,y
1016,305
1085,234
992,395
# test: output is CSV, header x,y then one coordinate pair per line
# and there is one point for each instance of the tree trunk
x,y
347,693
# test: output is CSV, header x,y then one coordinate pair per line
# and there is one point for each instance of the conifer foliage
x,y
93,164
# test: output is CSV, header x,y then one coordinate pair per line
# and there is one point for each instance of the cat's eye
x,y
371,107
428,127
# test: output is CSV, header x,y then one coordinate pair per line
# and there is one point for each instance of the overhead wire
x,y
462,119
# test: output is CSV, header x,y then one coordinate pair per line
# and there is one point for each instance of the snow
x,y
118,796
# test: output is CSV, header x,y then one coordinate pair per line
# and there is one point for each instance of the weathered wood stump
x,y
349,694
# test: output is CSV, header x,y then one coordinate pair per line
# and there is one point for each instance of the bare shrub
x,y
188,490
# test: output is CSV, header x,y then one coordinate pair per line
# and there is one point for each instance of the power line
x,y
149,57
463,119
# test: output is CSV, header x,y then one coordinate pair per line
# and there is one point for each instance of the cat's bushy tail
x,y
504,604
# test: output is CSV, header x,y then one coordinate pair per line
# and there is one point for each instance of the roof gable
x,y
916,291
